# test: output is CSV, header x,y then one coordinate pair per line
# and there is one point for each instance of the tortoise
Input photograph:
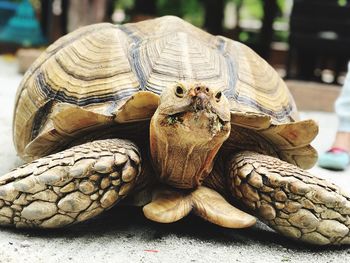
x,y
165,116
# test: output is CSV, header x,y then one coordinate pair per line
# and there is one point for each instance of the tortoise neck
x,y
182,160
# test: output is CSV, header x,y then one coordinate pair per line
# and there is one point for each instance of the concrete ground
x,y
124,235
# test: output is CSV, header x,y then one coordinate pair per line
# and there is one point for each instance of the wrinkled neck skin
x,y
183,146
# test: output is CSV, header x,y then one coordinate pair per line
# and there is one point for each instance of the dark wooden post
x,y
144,9
214,13
266,33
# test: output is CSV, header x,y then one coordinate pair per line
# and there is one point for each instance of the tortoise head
x,y
188,128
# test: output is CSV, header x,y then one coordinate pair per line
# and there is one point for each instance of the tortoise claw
x,y
291,200
170,205
70,186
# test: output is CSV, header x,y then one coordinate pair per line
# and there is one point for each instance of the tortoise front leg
x,y
70,186
290,200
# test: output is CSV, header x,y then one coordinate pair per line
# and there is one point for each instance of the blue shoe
x,y
334,159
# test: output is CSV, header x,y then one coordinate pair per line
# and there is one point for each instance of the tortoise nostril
x,y
201,89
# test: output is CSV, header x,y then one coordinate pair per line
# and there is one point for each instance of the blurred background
x,y
305,40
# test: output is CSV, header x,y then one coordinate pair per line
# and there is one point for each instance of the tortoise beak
x,y
200,98
200,101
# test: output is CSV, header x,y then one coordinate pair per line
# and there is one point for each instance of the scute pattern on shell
x,y
100,66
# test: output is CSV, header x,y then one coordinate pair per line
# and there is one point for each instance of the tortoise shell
x,y
104,77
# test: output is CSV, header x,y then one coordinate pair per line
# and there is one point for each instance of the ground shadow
x,y
130,223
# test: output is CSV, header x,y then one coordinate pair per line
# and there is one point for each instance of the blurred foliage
x,y
124,4
193,11
190,10
253,9
36,4
342,2
281,36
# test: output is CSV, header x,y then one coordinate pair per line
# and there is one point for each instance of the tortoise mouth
x,y
178,118
196,106
204,124
192,119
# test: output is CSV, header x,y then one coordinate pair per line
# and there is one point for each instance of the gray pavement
x,y
124,235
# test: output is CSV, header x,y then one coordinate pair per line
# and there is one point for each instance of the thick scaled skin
x,y
290,200
70,186
102,82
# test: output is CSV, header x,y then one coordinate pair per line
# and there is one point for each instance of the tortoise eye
x,y
218,96
179,92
